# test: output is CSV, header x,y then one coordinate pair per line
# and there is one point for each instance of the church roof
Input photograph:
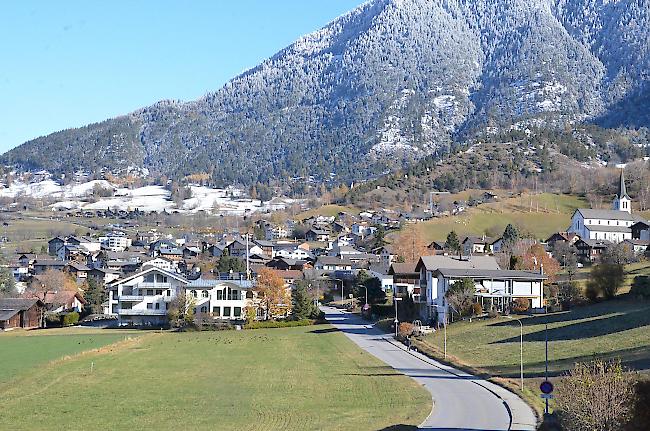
x,y
590,213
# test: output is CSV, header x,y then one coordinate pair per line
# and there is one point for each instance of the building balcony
x,y
140,312
131,298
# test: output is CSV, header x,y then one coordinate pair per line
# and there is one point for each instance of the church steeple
x,y
622,201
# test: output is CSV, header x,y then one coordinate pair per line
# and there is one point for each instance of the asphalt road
x,y
460,401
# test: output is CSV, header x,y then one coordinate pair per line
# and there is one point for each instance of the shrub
x,y
477,309
493,313
609,390
70,319
520,305
52,320
570,293
606,279
591,292
641,287
406,329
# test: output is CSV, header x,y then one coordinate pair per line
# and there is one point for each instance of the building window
x,y
149,306
226,311
204,309
149,292
125,305
216,311
157,305
237,311
205,293
219,295
249,294
159,292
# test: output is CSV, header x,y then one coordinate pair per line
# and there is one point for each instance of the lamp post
x,y
366,306
395,299
521,351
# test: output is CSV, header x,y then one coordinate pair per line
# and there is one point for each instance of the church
x,y
613,225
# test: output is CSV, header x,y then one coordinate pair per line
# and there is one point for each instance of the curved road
x,y
461,401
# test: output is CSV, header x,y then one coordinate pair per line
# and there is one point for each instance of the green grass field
x,y
24,350
307,378
539,215
613,329
617,328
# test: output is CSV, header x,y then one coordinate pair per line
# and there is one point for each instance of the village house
x,y
143,299
428,266
329,263
223,300
590,250
115,241
64,301
406,281
21,313
317,235
477,245
495,288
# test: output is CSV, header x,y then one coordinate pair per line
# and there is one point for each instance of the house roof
x,y
332,260
63,297
78,266
432,263
10,306
487,274
595,243
478,240
50,262
403,268
146,271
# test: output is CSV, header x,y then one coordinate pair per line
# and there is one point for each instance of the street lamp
x,y
395,299
521,351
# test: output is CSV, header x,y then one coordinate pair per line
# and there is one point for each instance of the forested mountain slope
x,y
389,82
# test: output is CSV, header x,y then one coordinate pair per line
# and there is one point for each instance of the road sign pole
x,y
546,362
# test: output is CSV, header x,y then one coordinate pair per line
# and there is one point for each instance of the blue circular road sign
x,y
546,387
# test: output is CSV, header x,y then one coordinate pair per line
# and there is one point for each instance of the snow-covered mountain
x,y
391,81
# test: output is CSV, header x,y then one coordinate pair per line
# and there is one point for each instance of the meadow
x,y
538,215
618,328
306,378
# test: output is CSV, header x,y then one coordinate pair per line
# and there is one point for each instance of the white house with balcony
x,y
495,288
222,299
428,267
142,299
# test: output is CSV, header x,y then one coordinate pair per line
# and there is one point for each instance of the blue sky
x,y
69,63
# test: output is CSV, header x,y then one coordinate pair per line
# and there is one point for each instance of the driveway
x,y
461,401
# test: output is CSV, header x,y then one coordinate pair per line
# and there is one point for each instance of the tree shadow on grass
x,y
323,331
637,358
619,305
611,324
